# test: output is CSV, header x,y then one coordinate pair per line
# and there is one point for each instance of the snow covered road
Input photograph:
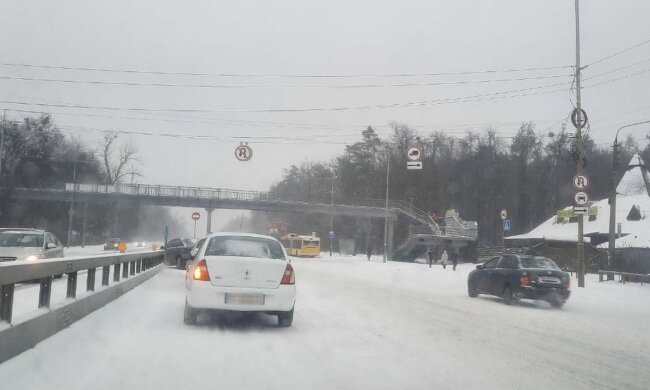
x,y
358,325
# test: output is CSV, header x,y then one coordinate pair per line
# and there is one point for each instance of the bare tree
x,y
116,165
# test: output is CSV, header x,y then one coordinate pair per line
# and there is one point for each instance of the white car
x,y
240,272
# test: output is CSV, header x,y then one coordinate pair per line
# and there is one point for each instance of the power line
x,y
463,99
261,75
243,86
619,53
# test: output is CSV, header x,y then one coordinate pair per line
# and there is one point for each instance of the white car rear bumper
x,y
203,295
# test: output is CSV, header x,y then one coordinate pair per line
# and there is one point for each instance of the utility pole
x,y
74,191
581,245
2,143
386,210
332,216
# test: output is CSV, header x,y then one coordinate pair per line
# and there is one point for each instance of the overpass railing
x,y
128,271
244,195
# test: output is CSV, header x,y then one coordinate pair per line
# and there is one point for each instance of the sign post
x,y
503,214
331,236
414,158
195,216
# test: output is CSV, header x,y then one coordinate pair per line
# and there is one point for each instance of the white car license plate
x,y
245,299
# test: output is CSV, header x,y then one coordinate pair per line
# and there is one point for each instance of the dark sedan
x,y
515,277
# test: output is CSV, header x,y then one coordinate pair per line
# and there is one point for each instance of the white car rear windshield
x,y
244,247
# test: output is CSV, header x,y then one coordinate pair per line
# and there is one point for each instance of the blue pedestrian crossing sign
x,y
507,225
331,235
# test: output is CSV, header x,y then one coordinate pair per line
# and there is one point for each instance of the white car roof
x,y
239,234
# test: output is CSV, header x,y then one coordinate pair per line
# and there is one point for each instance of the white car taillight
x,y
289,276
201,271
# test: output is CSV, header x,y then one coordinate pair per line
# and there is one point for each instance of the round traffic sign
x,y
581,198
504,214
583,118
581,182
414,153
243,152
196,216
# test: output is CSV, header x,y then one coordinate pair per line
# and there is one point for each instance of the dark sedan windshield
x,y
538,262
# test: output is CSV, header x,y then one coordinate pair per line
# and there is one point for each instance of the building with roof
x,y
557,236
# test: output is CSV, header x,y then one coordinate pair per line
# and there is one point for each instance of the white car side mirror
x,y
194,252
50,245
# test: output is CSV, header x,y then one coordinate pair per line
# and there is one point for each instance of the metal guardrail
x,y
124,265
33,328
623,277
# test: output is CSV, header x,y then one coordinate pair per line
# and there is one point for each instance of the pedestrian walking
x,y
369,252
454,259
430,255
443,259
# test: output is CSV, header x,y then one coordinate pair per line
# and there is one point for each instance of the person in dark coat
x,y
454,259
369,252
430,254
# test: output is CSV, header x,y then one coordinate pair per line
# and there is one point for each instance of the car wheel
x,y
190,315
59,276
472,291
285,319
179,263
508,297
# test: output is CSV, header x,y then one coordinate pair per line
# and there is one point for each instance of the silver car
x,y
28,244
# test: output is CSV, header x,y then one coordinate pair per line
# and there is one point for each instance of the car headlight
x,y
32,257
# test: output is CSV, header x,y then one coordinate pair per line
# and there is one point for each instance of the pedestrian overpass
x,y
454,231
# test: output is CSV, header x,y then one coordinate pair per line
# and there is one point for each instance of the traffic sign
x,y
331,235
580,182
504,214
583,118
414,153
507,225
580,210
581,198
413,165
243,152
196,216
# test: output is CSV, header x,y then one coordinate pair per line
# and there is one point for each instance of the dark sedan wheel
x,y
472,291
508,297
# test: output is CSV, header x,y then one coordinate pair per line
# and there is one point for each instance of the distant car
x,y
28,244
240,272
111,244
140,244
515,277
178,251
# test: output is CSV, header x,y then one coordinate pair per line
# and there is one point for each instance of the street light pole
x,y
580,168
332,215
612,196
71,211
386,209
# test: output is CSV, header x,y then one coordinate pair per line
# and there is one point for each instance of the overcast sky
x,y
354,38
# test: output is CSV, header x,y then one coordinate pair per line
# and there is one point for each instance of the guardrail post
x,y
72,285
138,266
90,279
125,270
6,302
116,272
105,271
132,267
45,292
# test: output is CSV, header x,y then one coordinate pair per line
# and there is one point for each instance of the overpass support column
x,y
83,226
389,240
209,224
